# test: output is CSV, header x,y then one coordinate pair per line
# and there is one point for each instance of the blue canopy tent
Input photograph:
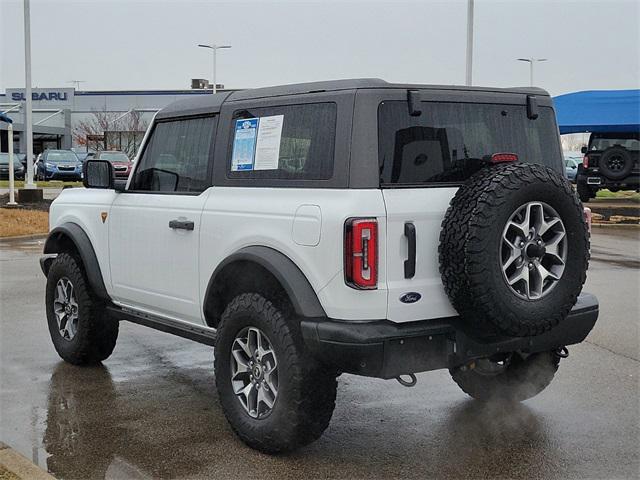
x,y
599,111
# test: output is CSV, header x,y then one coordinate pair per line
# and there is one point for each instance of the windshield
x,y
602,141
4,160
114,156
570,162
61,156
447,142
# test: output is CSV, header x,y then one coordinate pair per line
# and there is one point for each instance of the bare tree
x,y
573,142
124,133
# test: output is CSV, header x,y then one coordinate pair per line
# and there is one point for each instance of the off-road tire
x,y
306,388
97,331
584,192
619,155
470,243
522,379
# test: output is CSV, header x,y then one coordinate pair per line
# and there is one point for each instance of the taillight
x,y
361,253
585,161
503,157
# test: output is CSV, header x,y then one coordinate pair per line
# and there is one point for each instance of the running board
x,y
197,333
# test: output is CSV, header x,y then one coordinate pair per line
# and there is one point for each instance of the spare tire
x,y
514,250
616,163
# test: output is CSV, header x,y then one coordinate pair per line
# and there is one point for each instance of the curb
x,y
36,236
20,466
626,226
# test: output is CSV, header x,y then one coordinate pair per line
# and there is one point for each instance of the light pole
x,y
12,186
531,62
27,93
469,69
215,49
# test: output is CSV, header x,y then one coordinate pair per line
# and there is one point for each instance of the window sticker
x,y
244,144
267,151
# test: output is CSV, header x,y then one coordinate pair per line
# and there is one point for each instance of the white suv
x,y
346,226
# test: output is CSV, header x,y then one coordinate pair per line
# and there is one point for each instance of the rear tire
x,y
520,380
305,389
584,192
81,330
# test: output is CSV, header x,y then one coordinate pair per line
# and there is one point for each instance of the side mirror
x,y
98,174
584,149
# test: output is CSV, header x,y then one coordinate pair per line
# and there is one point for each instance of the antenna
x,y
77,83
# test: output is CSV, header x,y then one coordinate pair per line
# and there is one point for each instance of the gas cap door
x,y
307,224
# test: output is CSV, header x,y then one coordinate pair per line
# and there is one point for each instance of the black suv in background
x,y
18,169
610,161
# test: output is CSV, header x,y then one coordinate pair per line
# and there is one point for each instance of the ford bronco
x,y
612,161
351,226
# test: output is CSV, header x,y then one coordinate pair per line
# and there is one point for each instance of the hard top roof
x,y
211,103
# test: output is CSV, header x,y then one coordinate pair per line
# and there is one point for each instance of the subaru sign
x,y
58,96
43,97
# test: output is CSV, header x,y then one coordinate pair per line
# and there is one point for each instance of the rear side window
x,y
176,158
448,141
283,142
602,141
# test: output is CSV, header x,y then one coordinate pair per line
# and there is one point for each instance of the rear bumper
x,y
596,180
385,349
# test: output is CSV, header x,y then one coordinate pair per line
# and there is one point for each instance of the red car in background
x,y
120,161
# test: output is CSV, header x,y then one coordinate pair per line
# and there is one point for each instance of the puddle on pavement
x,y
22,245
95,427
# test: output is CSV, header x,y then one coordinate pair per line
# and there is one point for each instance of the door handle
x,y
181,224
410,262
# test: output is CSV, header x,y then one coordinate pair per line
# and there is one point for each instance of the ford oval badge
x,y
410,297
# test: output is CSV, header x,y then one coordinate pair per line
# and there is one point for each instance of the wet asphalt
x,y
152,410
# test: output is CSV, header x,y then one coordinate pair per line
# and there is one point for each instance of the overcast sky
x,y
152,45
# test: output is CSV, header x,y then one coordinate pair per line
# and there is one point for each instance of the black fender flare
x,y
81,241
300,292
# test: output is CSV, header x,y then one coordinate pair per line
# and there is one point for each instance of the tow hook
x,y
562,352
410,383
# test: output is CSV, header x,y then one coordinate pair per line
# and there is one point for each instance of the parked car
x,y
612,161
119,160
59,165
18,168
22,157
349,226
571,162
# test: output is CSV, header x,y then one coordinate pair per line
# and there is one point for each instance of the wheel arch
x,y
264,270
70,237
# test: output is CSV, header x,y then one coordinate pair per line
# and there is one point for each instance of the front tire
x,y
260,347
513,379
81,330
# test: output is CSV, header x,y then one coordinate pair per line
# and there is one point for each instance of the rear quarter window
x,y
305,150
448,142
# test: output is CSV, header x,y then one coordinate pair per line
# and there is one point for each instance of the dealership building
x,y
87,120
